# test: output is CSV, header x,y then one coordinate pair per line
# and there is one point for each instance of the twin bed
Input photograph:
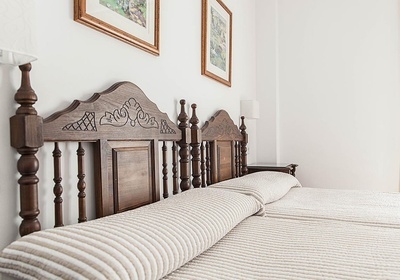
x,y
218,222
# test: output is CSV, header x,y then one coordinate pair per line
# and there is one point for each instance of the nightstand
x,y
286,168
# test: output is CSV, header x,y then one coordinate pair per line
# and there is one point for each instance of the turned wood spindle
x,y
203,165
208,163
237,161
58,189
165,170
184,148
175,184
26,136
244,148
195,151
81,184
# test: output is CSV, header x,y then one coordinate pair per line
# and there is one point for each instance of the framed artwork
x,y
216,41
135,22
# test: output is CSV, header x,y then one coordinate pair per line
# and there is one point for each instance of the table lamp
x,y
250,109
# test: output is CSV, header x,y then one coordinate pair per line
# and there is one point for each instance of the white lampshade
x,y
250,109
17,31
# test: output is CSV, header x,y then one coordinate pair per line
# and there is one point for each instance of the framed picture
x,y
135,22
216,41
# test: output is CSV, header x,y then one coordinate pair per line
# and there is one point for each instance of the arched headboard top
x,y
119,113
220,127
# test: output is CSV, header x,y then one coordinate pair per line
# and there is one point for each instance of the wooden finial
x,y
183,117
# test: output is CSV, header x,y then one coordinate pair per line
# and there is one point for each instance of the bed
x,y
220,222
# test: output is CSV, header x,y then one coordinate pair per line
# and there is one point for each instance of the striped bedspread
x,y
145,243
276,248
374,208
211,234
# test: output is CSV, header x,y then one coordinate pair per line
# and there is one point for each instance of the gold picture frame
x,y
136,22
216,41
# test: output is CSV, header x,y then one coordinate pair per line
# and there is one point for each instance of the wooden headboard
x,y
130,139
219,151
126,128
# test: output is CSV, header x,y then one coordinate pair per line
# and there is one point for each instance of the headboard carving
x,y
220,127
119,113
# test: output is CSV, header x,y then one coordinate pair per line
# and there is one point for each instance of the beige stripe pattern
x,y
146,243
365,207
274,248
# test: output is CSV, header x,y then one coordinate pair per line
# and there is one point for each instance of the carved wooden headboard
x,y
127,132
126,128
222,152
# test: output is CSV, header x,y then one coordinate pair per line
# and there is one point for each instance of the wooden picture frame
x,y
137,24
216,41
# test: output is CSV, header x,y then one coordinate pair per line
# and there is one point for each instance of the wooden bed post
x,y
184,148
244,147
195,144
26,136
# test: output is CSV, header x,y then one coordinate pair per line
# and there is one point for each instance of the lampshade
x,y
17,36
250,109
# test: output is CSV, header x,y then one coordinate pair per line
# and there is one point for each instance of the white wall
x,y
76,61
332,68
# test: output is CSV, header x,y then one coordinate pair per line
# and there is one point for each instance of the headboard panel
x,y
125,127
128,176
223,149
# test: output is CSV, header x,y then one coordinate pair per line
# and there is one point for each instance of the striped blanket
x,y
277,248
367,207
212,234
145,243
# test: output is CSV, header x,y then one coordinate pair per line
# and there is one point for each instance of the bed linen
x,y
265,186
145,243
368,207
279,248
282,196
